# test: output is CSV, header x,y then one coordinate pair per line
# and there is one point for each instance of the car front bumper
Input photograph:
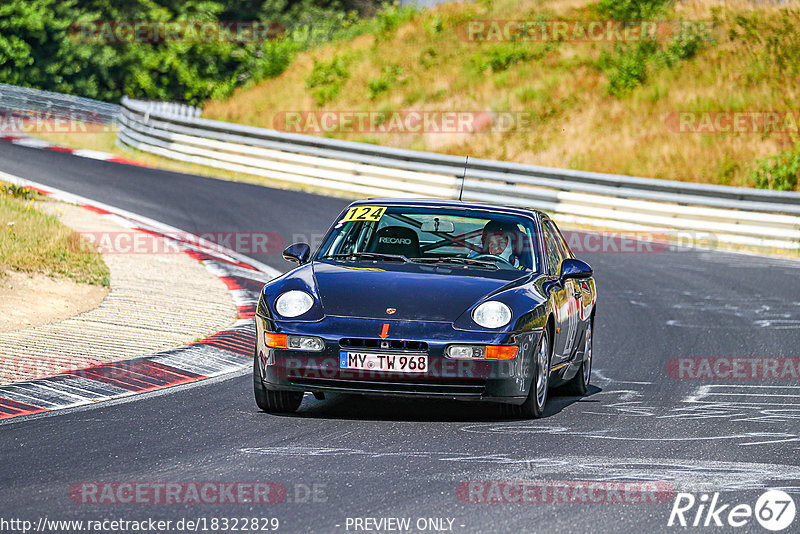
x,y
294,370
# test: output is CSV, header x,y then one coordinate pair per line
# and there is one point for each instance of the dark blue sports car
x,y
428,298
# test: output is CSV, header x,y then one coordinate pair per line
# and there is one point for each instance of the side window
x,y
552,251
560,242
567,251
530,248
354,237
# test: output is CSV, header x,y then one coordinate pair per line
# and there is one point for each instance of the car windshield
x,y
465,237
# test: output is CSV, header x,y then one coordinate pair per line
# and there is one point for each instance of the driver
x,y
497,239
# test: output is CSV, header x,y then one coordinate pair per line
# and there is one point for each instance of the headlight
x,y
492,314
294,303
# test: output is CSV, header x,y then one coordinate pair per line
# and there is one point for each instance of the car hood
x,y
416,292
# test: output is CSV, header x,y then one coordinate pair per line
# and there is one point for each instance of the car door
x,y
585,296
580,301
561,296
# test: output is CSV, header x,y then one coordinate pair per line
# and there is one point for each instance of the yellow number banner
x,y
364,213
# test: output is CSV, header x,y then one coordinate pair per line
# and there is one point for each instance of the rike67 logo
x,y
774,510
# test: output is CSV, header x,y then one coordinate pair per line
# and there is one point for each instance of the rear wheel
x,y
274,401
533,407
579,384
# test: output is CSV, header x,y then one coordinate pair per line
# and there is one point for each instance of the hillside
x,y
714,98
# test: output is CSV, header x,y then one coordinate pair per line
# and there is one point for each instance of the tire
x,y
274,401
579,384
533,407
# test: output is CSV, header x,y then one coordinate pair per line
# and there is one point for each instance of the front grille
x,y
393,344
450,387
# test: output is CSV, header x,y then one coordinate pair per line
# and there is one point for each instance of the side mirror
x,y
298,253
574,269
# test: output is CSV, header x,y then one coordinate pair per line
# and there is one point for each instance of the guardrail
x,y
728,214
23,100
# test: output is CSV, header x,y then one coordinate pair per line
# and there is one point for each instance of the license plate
x,y
397,363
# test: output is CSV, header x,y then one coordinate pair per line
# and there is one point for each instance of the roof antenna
x,y
463,178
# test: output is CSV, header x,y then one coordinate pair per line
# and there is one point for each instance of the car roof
x,y
446,203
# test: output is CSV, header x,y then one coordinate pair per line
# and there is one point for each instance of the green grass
x,y
36,242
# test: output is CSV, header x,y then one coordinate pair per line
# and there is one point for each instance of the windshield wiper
x,y
458,260
368,256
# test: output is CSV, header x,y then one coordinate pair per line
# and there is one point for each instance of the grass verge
x,y
34,241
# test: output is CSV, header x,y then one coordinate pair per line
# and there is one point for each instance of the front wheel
x,y
533,407
274,401
579,384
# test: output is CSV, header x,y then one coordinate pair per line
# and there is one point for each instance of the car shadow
x,y
340,406
559,401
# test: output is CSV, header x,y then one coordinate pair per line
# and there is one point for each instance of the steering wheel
x,y
493,257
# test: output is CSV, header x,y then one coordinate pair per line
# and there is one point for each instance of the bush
x,y
428,57
434,25
780,172
275,57
687,42
391,17
502,58
325,80
388,78
499,58
627,67
632,9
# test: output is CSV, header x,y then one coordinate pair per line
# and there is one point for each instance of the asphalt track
x,y
379,458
